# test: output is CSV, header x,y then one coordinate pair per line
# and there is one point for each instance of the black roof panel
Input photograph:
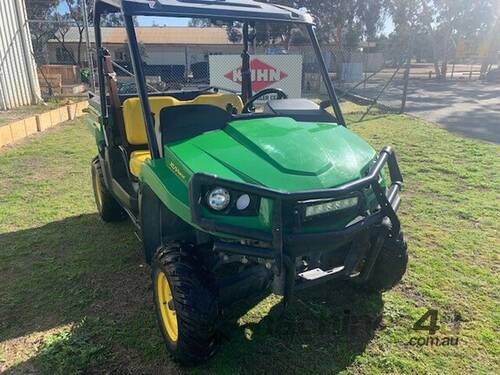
x,y
220,9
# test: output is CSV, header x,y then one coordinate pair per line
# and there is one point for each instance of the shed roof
x,y
157,35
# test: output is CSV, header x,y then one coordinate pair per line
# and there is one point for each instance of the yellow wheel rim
x,y
166,306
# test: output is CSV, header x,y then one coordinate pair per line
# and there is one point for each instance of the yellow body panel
x,y
135,127
136,160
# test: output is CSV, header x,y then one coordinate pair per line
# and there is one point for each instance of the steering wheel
x,y
248,108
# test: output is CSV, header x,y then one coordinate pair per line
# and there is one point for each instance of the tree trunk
x,y
339,54
446,47
430,30
444,69
435,61
493,46
80,42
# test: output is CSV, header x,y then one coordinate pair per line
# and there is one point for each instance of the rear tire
x,y
187,316
389,267
107,206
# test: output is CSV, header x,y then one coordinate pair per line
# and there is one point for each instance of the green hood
x,y
279,153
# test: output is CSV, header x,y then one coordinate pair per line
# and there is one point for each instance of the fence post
x,y
365,72
186,62
405,87
375,101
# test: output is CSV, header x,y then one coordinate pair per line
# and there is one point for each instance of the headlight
x,y
331,206
218,199
243,202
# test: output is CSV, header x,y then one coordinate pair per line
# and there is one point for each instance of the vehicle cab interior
x,y
180,113
129,133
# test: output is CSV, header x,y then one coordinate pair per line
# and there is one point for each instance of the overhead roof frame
x,y
218,9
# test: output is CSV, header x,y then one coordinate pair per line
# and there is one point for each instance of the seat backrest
x,y
135,127
184,122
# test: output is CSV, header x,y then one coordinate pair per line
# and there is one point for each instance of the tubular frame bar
x,y
100,66
276,237
324,72
141,87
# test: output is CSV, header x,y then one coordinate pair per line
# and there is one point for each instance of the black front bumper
x,y
285,247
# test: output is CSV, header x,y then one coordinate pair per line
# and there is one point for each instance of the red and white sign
x,y
278,71
263,75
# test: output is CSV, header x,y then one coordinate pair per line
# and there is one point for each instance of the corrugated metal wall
x,y
18,76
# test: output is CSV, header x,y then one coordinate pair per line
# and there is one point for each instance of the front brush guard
x,y
281,243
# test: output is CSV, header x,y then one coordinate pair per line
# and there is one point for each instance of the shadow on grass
x,y
76,296
322,331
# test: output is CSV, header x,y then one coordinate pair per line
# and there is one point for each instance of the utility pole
x,y
85,17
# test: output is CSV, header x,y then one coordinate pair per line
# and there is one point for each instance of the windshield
x,y
179,54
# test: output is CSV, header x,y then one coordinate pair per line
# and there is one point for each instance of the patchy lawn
x,y
76,295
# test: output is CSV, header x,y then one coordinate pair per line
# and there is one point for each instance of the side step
x,y
318,276
318,273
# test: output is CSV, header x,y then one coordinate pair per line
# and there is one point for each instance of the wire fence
x,y
64,56
394,79
201,55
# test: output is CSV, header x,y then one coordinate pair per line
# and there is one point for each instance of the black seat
x,y
188,121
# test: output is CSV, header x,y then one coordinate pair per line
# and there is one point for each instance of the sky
x,y
387,28
143,21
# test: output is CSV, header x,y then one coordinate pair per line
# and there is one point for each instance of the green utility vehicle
x,y
235,190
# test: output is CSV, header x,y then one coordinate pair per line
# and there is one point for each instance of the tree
x,y
342,22
448,21
46,23
41,31
406,16
370,14
346,22
200,22
75,14
492,45
234,35
114,20
63,25
480,28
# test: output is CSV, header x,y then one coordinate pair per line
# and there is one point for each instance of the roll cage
x,y
246,12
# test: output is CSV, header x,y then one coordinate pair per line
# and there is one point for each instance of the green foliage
x,y
41,32
344,22
85,75
442,25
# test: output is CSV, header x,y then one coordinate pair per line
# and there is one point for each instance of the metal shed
x,y
18,76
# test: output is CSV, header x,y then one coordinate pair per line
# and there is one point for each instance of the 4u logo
x,y
431,316
429,323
